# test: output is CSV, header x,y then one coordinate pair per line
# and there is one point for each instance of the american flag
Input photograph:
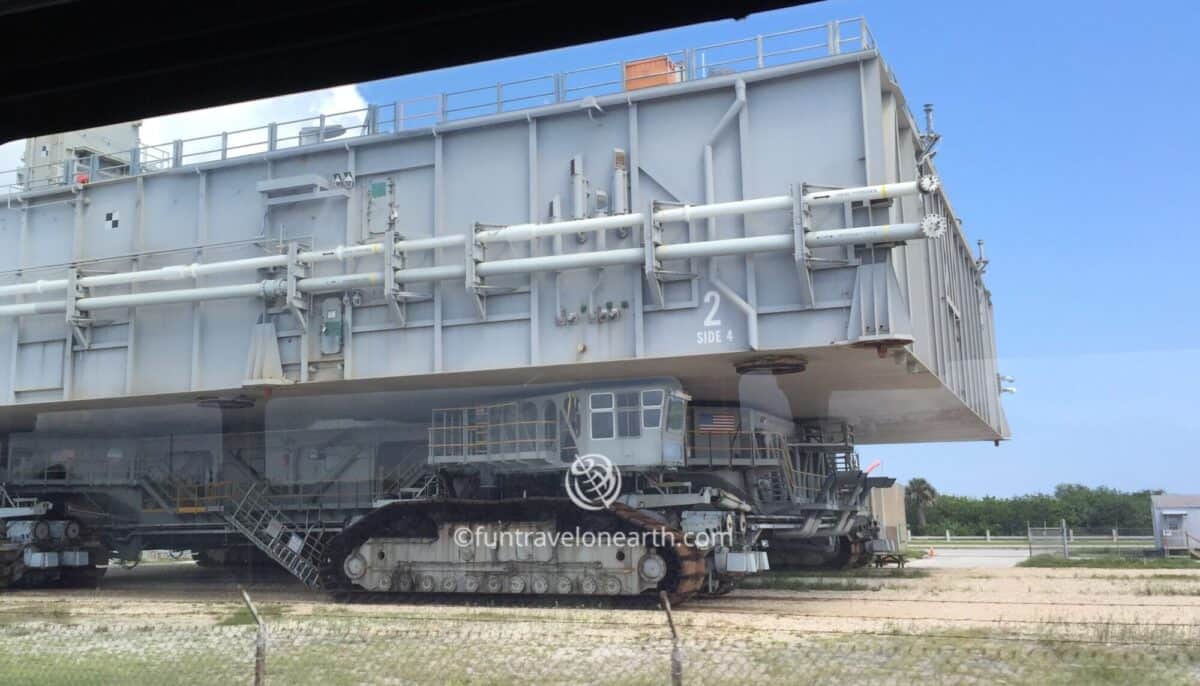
x,y
716,422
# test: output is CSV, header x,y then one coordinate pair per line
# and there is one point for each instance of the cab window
x,y
675,415
652,409
603,421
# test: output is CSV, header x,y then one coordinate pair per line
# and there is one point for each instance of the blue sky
x,y
1070,145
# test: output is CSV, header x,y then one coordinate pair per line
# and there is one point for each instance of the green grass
x,y
242,616
1052,562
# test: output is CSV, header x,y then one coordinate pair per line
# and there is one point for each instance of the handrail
x,y
688,64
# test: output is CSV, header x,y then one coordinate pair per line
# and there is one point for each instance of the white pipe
x,y
445,272
868,193
723,209
32,308
183,271
268,288
930,227
341,282
887,233
342,252
39,286
196,269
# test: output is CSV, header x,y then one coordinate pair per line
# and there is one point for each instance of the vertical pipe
x,y
22,251
534,280
439,227
635,200
355,232
135,265
710,192
68,380
348,338
747,190
198,308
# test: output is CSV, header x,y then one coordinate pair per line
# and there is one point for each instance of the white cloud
x,y
252,114
10,159
214,120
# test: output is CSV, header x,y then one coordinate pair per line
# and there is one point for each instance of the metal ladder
x,y
296,549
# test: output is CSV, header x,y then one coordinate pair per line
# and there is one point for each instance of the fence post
x,y
1065,540
260,642
947,535
1116,539
987,535
676,656
1029,538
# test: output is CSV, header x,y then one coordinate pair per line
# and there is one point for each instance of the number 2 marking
x,y
715,298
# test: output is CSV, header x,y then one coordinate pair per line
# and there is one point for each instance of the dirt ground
x,y
1013,625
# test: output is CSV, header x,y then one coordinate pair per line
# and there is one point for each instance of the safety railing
x,y
478,440
689,64
714,448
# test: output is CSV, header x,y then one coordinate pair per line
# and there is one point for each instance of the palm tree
x,y
920,495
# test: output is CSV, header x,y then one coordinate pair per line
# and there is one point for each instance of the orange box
x,y
653,71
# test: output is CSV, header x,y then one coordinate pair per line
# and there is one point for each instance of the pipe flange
x,y
929,183
933,226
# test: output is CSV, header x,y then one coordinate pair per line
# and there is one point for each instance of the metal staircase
x,y
296,549
404,480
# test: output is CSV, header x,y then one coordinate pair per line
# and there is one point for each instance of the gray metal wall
x,y
838,121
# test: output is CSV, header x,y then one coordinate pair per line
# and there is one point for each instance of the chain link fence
x,y
352,645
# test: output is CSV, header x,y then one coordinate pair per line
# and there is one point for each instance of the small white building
x,y
1176,523
57,157
887,506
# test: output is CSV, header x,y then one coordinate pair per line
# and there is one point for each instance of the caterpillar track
x,y
686,566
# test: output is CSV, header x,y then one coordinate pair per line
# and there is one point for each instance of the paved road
x,y
965,558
